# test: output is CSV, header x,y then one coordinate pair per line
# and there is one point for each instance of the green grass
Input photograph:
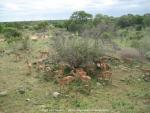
x,y
126,94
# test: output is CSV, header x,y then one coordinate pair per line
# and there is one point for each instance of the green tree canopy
x,y
42,26
78,21
99,18
12,34
146,20
81,16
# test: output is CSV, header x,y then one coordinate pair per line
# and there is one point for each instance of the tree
x,y
42,27
101,32
81,16
125,21
146,19
12,34
130,20
1,28
78,21
99,18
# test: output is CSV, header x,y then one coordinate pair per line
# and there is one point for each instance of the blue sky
x,y
24,10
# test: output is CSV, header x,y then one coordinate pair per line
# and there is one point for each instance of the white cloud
x,y
12,6
60,9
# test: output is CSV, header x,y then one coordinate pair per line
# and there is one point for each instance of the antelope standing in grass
x,y
102,64
40,65
106,75
2,51
65,81
146,72
82,75
44,54
17,56
29,65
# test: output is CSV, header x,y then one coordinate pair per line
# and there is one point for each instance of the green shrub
x,y
12,34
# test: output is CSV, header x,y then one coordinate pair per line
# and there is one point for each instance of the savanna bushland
x,y
86,63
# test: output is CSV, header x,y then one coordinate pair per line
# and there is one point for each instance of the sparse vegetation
x,y
99,63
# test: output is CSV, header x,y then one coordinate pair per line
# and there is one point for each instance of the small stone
x,y
3,93
21,90
98,84
139,79
27,99
56,94
66,95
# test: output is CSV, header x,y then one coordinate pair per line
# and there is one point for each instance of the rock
x,y
27,99
3,93
98,84
66,95
139,79
56,94
21,90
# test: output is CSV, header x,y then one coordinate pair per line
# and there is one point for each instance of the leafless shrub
x,y
75,50
129,54
147,55
101,32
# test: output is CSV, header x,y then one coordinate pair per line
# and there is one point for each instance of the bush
x,y
142,45
12,34
147,55
129,53
74,50
25,42
145,44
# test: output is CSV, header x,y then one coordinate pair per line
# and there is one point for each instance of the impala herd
x,y
76,73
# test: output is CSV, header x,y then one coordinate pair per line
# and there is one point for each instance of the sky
x,y
26,10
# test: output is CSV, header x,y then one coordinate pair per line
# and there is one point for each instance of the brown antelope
x,y
40,65
82,75
85,78
103,66
2,51
80,72
62,68
29,65
106,75
65,81
44,54
59,73
146,71
17,56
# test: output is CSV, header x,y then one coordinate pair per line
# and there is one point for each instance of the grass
x,y
127,94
